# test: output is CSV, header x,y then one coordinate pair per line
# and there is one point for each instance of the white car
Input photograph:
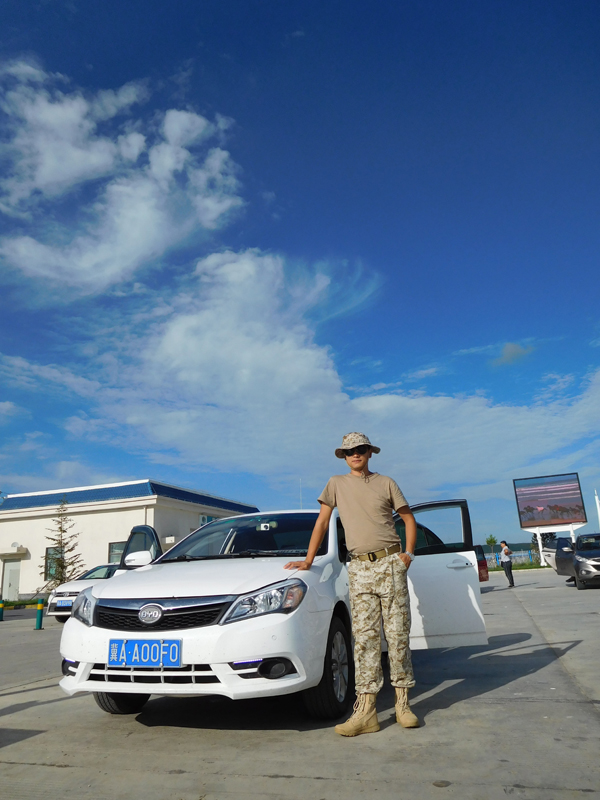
x,y
219,614
60,600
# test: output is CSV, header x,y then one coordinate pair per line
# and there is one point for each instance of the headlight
x,y
83,606
280,598
581,558
51,595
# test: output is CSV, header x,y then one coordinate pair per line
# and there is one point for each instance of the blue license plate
x,y
64,603
144,653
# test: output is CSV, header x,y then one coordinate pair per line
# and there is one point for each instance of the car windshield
x,y
261,534
588,543
98,572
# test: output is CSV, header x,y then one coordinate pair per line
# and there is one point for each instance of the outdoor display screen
x,y
549,500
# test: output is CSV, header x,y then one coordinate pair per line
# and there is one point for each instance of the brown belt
x,y
394,548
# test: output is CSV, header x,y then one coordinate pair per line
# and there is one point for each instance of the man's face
x,y
358,460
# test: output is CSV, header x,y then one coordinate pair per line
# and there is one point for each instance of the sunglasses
x,y
361,449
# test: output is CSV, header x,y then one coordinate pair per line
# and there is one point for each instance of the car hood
x,y
196,578
76,586
589,553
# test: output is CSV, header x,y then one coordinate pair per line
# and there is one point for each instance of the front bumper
x,y
208,654
55,611
590,573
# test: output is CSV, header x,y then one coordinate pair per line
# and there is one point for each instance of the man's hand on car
x,y
298,565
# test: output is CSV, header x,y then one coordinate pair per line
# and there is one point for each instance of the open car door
x,y
443,580
564,557
142,537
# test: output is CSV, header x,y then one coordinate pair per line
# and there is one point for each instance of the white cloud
x,y
141,207
8,409
228,376
26,374
420,374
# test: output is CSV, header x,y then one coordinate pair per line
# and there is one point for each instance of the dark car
x,y
580,561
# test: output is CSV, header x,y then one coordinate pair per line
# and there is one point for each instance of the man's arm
x,y
318,534
410,526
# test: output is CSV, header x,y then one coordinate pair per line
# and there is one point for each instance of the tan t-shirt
x,y
366,506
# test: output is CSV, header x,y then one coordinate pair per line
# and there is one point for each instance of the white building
x,y
103,516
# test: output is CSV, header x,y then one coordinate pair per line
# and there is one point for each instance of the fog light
x,y
274,668
68,667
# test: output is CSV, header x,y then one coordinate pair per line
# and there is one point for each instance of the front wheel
x,y
121,703
332,697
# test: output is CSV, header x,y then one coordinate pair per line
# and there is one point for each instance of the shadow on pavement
x,y
13,735
457,674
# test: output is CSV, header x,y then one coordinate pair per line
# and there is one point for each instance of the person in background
x,y
366,502
506,561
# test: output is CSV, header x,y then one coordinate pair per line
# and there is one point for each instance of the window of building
x,y
53,554
115,551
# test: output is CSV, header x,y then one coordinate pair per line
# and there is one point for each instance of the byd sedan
x,y
219,614
61,599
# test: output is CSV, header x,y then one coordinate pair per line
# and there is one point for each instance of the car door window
x,y
440,529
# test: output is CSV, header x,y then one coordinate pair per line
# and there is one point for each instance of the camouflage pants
x,y
379,591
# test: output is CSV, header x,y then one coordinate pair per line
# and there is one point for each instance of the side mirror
x,y
568,549
140,559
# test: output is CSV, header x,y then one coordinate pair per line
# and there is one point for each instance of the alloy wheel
x,y
339,666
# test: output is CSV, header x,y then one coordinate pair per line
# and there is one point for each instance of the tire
x,y
121,703
62,620
580,584
334,694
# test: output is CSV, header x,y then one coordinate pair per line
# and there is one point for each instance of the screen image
x,y
549,500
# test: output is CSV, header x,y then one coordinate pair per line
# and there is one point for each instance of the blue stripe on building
x,y
128,491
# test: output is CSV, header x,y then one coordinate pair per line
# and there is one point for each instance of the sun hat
x,y
351,440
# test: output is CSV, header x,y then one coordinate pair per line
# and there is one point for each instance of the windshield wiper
x,y
241,554
184,558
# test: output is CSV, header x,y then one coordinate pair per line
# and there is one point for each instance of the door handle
x,y
458,565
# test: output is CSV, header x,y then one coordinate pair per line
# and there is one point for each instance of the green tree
x,y
548,536
491,541
62,562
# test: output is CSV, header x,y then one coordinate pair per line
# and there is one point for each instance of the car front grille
x,y
190,673
126,619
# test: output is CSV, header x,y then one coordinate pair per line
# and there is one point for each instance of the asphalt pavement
x,y
517,718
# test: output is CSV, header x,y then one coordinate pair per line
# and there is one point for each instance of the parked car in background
x,y
581,560
219,614
482,565
60,600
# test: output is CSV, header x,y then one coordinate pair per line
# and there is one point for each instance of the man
x,y
506,561
377,575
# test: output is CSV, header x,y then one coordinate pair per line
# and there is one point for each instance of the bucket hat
x,y
351,440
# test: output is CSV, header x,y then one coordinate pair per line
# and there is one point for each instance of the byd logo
x,y
150,614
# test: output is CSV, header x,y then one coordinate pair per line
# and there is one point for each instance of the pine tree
x,y
63,563
547,537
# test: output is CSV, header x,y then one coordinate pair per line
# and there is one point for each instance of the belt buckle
x,y
372,557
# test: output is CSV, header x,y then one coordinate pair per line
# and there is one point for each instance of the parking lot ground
x,y
518,718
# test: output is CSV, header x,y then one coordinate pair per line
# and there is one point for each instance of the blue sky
x,y
233,231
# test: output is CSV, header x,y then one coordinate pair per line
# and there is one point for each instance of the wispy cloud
x,y
511,353
421,374
152,186
229,375
8,409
